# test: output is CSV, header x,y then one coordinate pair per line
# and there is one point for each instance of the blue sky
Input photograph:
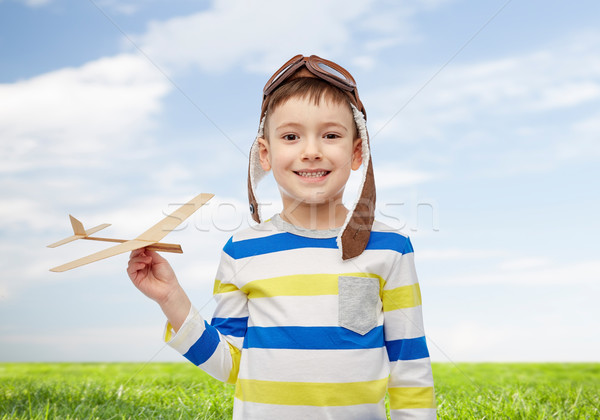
x,y
485,127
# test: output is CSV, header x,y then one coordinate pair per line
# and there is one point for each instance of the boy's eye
x,y
331,136
290,137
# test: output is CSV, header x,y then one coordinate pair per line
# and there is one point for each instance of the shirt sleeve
x,y
410,385
216,347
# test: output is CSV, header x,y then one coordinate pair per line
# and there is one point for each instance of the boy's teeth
x,y
312,174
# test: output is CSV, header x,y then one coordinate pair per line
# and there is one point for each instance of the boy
x,y
318,309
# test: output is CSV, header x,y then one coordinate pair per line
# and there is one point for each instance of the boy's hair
x,y
312,89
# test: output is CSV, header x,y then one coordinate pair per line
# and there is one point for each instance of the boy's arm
x,y
215,347
187,332
411,381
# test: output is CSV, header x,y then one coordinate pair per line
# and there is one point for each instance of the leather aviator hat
x,y
354,234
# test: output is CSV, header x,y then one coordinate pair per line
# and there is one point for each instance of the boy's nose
x,y
312,150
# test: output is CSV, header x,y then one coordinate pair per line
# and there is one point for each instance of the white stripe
x,y
308,311
315,365
191,330
219,364
237,342
231,305
293,261
257,411
414,414
256,231
305,311
403,323
403,273
417,371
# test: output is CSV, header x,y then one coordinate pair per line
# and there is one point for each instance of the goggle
x,y
321,68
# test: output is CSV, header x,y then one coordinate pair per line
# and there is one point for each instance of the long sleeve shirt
x,y
305,335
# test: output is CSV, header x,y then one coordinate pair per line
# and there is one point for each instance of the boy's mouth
x,y
318,173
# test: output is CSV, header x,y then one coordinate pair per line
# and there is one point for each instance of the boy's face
x,y
311,150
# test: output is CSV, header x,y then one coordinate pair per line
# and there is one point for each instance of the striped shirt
x,y
305,335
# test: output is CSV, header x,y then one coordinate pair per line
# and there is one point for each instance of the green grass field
x,y
181,391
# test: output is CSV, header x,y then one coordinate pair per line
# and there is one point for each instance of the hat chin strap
x,y
356,230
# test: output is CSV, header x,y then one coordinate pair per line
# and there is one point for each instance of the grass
x,y
111,391
180,391
568,391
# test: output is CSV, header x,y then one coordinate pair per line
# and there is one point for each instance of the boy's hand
x,y
152,274
154,277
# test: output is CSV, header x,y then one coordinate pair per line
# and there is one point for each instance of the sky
x,y
484,119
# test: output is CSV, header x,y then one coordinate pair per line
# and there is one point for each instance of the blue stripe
x,y
407,349
390,240
231,326
312,338
204,348
287,241
275,243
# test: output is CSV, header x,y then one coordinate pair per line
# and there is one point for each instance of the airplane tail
x,y
78,228
79,232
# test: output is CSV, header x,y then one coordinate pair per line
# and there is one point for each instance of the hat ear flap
x,y
355,233
255,171
252,200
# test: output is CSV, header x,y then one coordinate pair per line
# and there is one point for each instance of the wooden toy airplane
x,y
149,239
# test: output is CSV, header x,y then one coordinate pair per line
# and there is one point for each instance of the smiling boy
x,y
318,308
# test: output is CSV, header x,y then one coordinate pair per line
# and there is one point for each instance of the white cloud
x,y
531,341
24,214
133,342
531,111
78,116
120,7
390,177
34,3
75,118
255,34
457,254
535,271
259,35
524,263
528,83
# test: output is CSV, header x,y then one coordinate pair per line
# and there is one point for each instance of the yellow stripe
x,y
168,332
402,297
311,393
223,287
235,368
411,397
216,286
299,285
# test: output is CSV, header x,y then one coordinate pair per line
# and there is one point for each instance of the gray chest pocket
x,y
358,303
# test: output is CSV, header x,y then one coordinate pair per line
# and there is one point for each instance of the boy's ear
x,y
357,154
263,154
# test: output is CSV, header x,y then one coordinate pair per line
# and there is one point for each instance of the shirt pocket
x,y
358,299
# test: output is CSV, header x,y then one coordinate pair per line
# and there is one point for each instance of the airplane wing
x,y
106,253
166,225
149,237
66,241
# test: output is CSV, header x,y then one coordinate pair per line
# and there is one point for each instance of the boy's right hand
x,y
152,275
